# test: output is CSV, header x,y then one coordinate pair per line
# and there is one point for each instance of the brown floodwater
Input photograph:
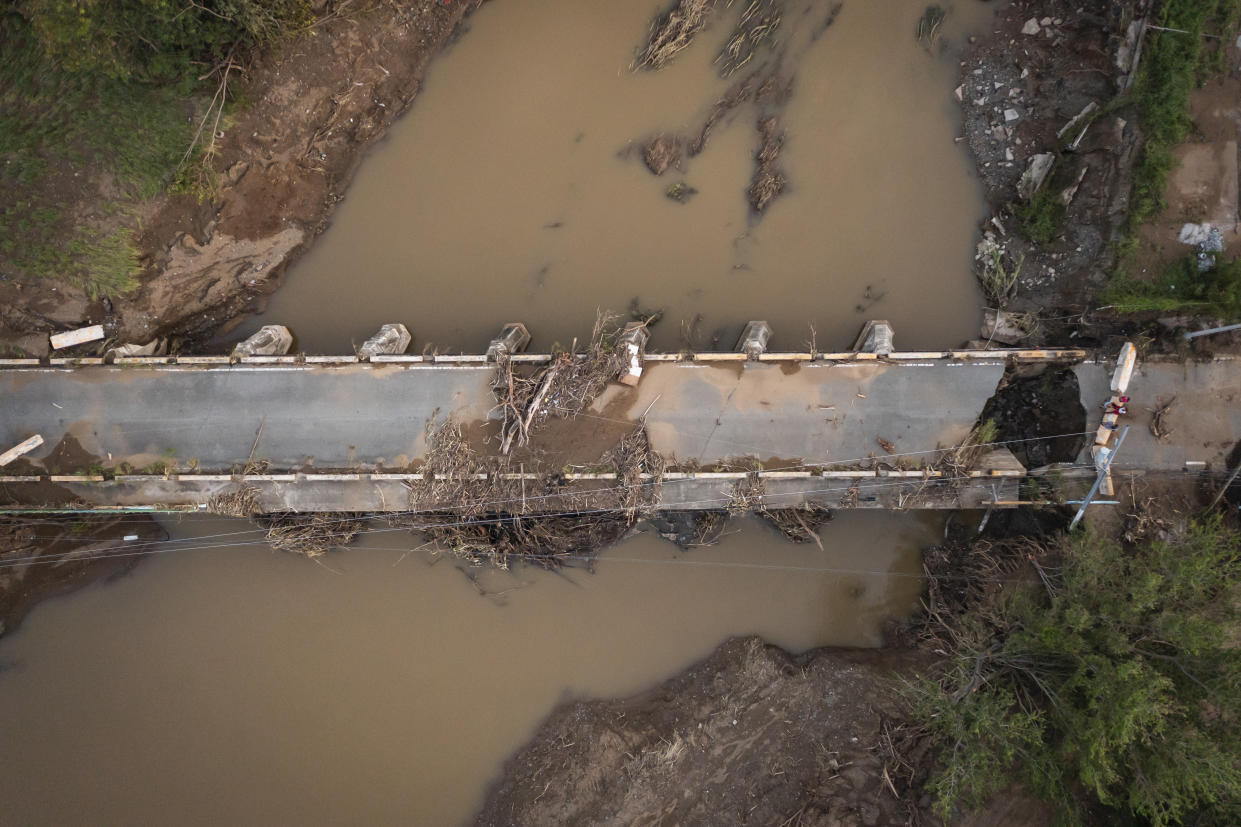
x,y
241,686
504,195
237,685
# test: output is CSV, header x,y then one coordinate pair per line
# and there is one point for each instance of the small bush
x,y
1117,678
1041,219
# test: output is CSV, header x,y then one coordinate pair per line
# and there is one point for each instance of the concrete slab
x,y
1205,420
337,415
821,413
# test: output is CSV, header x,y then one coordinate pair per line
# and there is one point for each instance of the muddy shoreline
x,y
743,736
312,111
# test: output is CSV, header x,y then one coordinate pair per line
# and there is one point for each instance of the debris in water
x,y
769,180
311,534
680,192
757,25
673,31
929,24
661,152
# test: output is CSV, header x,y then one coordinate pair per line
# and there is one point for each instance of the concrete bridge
x,y
319,434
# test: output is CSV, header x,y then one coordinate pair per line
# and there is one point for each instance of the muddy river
x,y
512,193
234,685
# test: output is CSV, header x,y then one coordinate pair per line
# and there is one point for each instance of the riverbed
x,y
220,682
513,190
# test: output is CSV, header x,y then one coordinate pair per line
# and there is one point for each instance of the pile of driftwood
x,y
242,501
476,508
567,385
311,534
799,523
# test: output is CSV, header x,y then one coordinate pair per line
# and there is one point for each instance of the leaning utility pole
x,y
1104,470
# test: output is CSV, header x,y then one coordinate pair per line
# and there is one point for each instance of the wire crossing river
x,y
237,686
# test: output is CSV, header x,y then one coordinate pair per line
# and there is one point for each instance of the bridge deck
x,y
360,415
369,420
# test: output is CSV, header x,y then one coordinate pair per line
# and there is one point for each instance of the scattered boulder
x,y
1036,174
661,152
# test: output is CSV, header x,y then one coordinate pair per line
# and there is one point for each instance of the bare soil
x,y
751,735
1017,92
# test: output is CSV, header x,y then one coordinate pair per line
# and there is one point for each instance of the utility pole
x,y
1103,472
1219,495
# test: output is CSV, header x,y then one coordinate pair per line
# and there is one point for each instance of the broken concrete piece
x,y
1031,26
1194,234
1125,363
270,340
1006,328
1070,192
391,340
21,448
77,337
633,341
1077,119
1036,173
155,347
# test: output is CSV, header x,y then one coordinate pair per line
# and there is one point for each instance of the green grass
x,y
1173,65
1041,219
1181,288
66,138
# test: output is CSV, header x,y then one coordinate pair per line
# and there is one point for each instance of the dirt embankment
x,y
311,111
749,736
1043,64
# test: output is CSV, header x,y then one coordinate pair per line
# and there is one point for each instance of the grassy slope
x,y
77,155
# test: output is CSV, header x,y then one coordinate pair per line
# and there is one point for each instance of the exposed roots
x,y
311,534
673,31
240,502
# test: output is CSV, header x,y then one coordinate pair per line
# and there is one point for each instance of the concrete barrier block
x,y
21,448
633,341
392,339
1125,363
76,337
877,337
754,339
513,338
270,340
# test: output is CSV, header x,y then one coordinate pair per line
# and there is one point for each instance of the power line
x,y
49,559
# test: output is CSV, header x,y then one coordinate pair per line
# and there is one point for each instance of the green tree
x,y
1121,679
